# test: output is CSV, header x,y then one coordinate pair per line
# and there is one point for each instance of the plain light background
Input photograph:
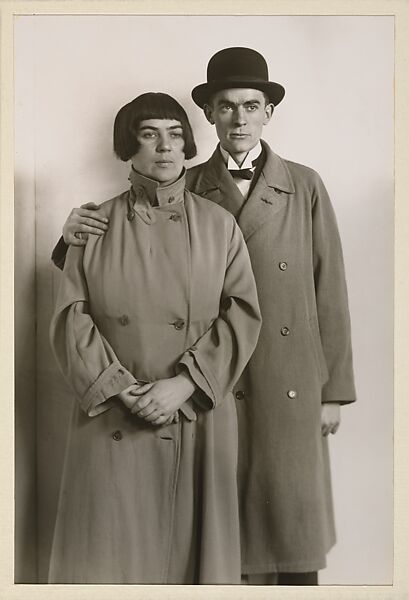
x,y
72,74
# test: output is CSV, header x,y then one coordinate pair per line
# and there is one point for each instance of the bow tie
x,y
244,173
241,173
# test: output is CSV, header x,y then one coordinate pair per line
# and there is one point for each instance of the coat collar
x,y
276,173
270,194
217,184
147,196
148,190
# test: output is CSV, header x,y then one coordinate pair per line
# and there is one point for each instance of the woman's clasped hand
x,y
158,402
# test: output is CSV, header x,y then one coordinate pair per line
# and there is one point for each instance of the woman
x,y
153,325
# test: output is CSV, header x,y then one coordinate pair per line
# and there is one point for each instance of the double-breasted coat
x,y
303,358
169,287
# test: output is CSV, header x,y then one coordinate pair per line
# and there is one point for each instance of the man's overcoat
x,y
169,287
303,358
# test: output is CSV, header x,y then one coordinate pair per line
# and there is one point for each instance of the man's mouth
x,y
239,136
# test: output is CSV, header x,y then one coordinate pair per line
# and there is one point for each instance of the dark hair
x,y
152,105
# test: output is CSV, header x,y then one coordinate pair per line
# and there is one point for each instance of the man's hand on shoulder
x,y
82,221
330,417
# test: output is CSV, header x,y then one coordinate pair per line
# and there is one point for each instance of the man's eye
x,y
252,107
226,107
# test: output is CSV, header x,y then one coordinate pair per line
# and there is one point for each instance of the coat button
x,y
292,394
283,266
239,395
175,217
171,199
179,324
117,436
124,320
285,331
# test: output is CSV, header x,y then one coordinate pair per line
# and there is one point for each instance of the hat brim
x,y
201,93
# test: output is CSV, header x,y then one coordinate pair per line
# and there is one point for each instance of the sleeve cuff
x,y
187,410
112,381
207,387
335,401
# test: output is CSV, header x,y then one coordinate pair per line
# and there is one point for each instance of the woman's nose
x,y
163,144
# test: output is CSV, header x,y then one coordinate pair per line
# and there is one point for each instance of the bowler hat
x,y
237,68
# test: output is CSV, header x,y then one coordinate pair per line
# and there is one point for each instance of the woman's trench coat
x,y
167,288
303,358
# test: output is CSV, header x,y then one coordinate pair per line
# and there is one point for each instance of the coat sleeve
x,y
84,356
59,253
217,359
332,299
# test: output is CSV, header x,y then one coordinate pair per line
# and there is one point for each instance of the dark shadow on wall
x,y
25,516
43,402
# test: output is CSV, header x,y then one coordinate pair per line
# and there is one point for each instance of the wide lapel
x,y
216,184
270,194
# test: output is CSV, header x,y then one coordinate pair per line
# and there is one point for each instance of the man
x,y
289,397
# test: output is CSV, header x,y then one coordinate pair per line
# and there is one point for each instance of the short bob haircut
x,y
152,105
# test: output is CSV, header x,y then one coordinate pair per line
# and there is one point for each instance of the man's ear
x,y
268,113
208,113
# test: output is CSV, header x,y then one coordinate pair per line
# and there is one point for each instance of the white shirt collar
x,y
247,164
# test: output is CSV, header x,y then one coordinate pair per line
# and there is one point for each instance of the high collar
x,y
148,191
215,175
248,161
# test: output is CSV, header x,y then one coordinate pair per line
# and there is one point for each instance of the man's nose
x,y
239,116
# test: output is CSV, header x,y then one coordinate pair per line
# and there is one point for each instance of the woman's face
x,y
160,155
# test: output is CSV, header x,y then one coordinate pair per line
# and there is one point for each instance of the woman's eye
x,y
176,135
148,135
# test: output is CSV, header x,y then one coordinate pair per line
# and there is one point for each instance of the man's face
x,y
239,115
